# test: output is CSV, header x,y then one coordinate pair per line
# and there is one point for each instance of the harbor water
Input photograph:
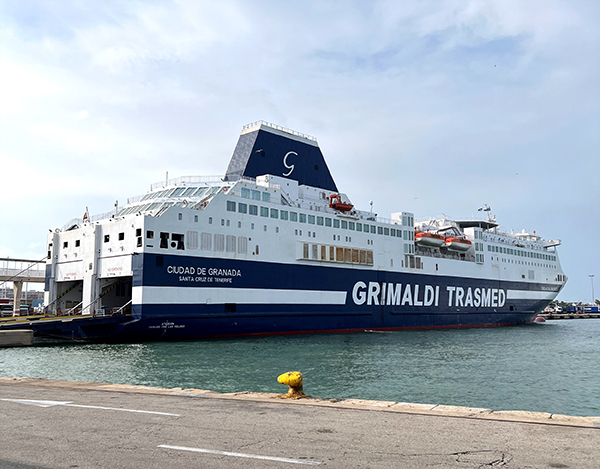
x,y
552,367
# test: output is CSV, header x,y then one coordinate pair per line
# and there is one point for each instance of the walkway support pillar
x,y
17,290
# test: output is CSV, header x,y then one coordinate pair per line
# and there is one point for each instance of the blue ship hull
x,y
176,277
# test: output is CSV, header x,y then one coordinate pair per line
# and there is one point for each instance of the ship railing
x,y
279,127
73,310
186,180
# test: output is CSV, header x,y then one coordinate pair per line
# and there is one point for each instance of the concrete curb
x,y
544,418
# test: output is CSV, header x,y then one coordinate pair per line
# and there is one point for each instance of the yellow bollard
x,y
294,380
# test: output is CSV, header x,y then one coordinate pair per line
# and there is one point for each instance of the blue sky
x,y
434,107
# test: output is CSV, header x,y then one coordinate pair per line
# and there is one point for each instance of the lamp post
x,y
593,298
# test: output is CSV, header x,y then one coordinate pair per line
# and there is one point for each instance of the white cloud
x,y
425,106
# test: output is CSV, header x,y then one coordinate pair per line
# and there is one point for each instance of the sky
x,y
430,107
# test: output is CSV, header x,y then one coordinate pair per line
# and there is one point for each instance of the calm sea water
x,y
553,367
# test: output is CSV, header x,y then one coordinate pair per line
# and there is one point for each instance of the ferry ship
x,y
274,247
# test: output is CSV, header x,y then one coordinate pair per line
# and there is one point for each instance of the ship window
x,y
283,214
210,220
355,256
328,222
242,208
339,254
373,227
274,213
320,221
344,225
106,238
242,245
179,216
393,232
178,241
206,241
303,218
351,225
256,250
336,223
164,240
264,212
222,222
331,253
66,244
386,231
251,226
196,218
121,236
264,227
231,243
255,195
253,210
245,193
192,240
311,219
305,251
359,227
379,230
188,192
178,192
230,206
293,216
266,197
219,242
315,252
77,243
276,229
228,222
239,224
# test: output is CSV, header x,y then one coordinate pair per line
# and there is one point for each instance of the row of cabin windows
x,y
519,253
320,252
316,220
254,195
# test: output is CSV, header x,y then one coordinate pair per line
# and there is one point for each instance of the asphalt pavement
x,y
52,424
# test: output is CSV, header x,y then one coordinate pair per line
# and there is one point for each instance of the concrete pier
x,y
16,338
57,424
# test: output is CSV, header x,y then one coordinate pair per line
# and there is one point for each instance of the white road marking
x,y
241,455
69,404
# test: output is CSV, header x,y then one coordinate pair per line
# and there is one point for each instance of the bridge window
x,y
266,197
328,222
164,240
293,216
255,195
106,238
303,218
121,236
65,244
245,193
311,219
77,243
283,214
336,223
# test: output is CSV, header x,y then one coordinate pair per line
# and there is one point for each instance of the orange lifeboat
x,y
454,243
429,239
335,202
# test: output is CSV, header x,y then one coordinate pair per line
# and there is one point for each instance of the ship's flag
x,y
86,215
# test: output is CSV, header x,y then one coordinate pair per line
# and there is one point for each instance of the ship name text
x,y
397,294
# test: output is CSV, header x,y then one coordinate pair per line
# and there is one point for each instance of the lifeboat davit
x,y
455,243
335,202
428,239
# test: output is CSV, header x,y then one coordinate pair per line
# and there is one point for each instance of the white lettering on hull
x,y
397,294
